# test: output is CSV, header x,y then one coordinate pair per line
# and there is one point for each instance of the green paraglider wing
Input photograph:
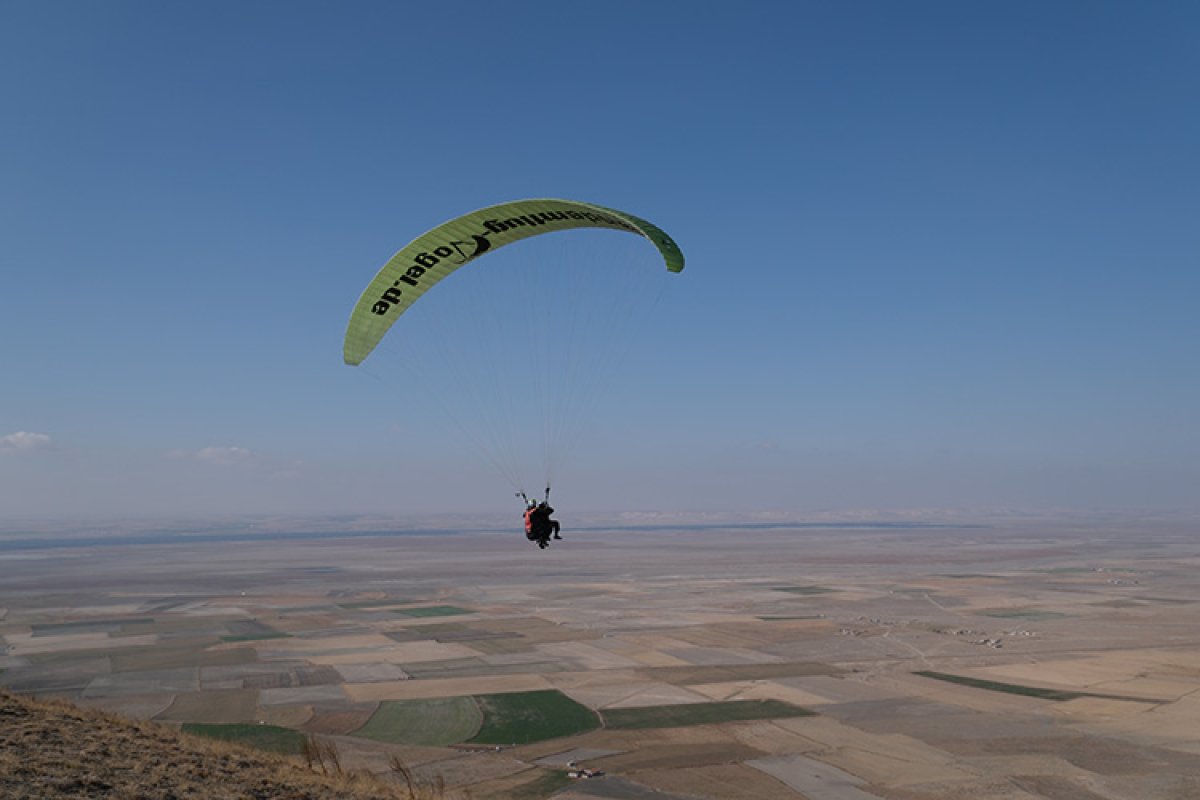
x,y
432,256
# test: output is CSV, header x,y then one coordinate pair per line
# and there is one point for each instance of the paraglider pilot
x,y
539,527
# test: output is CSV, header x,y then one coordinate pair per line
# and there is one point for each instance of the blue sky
x,y
939,254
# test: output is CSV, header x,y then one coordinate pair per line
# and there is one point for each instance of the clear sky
x,y
940,254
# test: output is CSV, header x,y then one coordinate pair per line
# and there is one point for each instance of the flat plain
x,y
1001,660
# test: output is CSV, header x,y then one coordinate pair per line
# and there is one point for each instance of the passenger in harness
x,y
539,527
531,532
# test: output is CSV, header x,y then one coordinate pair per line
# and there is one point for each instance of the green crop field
x,y
433,611
370,604
434,723
526,717
263,737
805,590
254,637
1021,613
435,629
1028,691
997,686
678,716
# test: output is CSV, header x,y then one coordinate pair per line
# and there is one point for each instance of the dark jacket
x,y
540,515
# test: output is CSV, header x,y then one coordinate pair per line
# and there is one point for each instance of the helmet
x,y
531,504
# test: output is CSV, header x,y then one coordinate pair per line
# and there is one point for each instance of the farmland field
x,y
263,737
527,717
431,611
699,714
1032,614
805,589
997,686
1028,691
544,783
425,722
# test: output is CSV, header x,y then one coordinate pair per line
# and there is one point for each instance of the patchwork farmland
x,y
844,663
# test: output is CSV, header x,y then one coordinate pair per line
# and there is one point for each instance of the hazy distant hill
x,y
50,749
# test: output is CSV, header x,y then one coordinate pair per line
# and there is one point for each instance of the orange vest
x,y
528,520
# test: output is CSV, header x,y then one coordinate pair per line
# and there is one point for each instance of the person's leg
x,y
554,528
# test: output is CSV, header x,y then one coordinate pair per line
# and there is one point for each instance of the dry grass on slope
x,y
50,749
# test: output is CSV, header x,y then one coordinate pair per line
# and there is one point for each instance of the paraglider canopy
x,y
435,254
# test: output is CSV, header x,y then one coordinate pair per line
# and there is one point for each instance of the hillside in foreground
x,y
50,749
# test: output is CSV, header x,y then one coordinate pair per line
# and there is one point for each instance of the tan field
x,y
990,662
